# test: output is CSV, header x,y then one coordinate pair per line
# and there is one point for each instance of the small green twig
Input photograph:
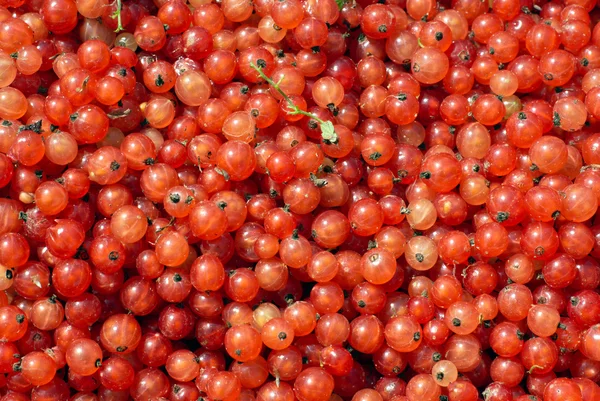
x,y
327,130
117,14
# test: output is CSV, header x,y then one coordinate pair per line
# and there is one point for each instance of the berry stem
x,y
117,14
590,167
327,131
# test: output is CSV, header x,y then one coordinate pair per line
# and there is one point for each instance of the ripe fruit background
x,y
299,200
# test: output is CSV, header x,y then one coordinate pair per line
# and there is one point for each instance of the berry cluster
x,y
299,200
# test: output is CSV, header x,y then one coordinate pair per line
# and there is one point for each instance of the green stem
x,y
118,15
327,131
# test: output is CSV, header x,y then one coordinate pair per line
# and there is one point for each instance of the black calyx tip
x,y
425,175
175,198
574,301
522,116
114,166
159,81
584,62
439,36
456,322
73,116
261,63
401,96
443,397
556,214
502,216
420,258
382,28
333,109
114,255
318,182
375,156
9,274
20,318
556,119
121,348
149,161
282,336
35,127
316,49
417,336
23,216
361,304
548,77
238,352
177,277
222,205
436,357
98,362
439,376
520,335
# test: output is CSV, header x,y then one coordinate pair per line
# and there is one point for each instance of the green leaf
x,y
328,132
340,3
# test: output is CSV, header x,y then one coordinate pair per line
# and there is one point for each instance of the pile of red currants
x,y
299,200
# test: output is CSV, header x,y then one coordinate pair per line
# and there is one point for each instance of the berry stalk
x,y
327,130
